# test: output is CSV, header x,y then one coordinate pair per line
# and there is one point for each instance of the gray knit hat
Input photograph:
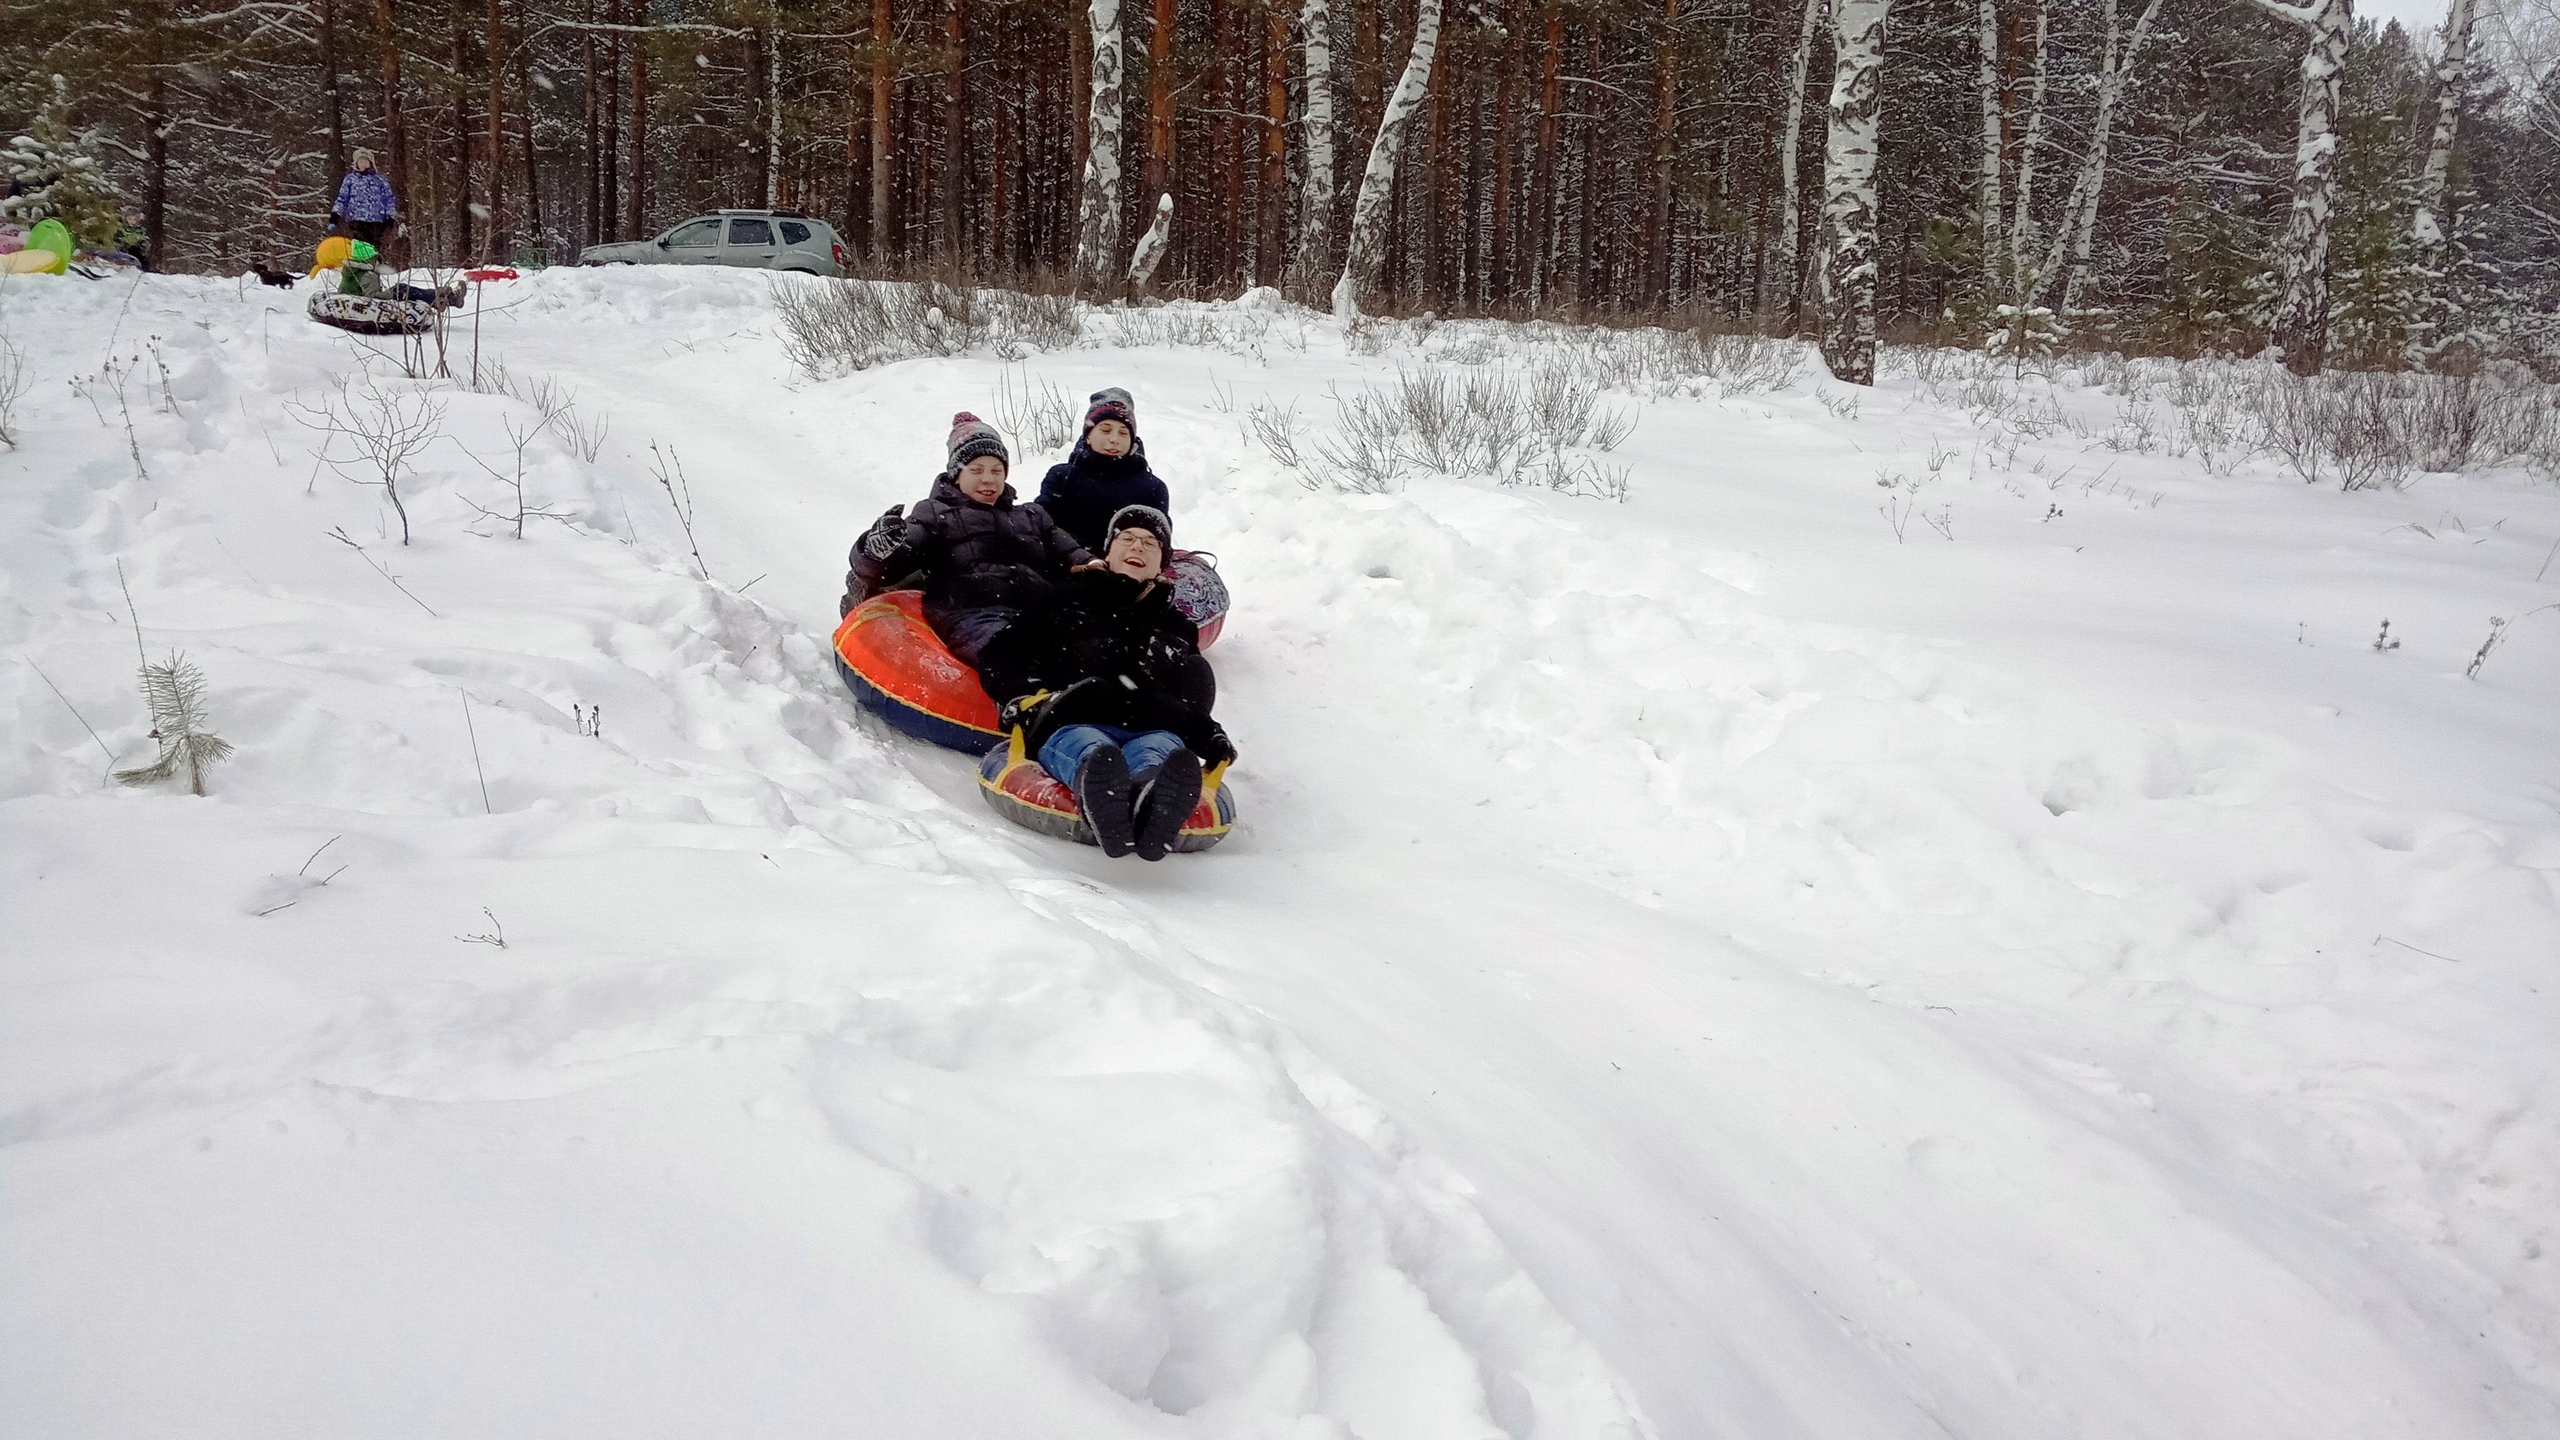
x,y
1140,517
972,437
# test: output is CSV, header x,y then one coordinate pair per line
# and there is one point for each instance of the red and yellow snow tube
x,y
1020,791
895,665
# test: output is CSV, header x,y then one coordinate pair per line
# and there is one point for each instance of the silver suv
x,y
758,239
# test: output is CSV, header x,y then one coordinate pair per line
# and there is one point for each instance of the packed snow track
x,y
1732,963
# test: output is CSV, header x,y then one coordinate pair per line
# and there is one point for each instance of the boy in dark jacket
x,y
984,558
1114,698
1107,473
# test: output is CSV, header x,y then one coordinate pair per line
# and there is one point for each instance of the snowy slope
x,y
1695,967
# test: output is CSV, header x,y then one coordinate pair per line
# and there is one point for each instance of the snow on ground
x,y
1694,967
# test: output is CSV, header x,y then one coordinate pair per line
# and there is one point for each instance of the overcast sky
x,y
2419,17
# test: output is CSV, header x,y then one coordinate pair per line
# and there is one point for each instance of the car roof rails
x,y
784,214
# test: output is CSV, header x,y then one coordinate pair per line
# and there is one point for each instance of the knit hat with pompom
x,y
972,437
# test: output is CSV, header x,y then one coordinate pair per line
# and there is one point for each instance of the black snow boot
x,y
1165,800
1104,793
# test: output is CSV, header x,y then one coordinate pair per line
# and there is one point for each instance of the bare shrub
x,y
384,429
1277,428
1038,414
13,384
831,327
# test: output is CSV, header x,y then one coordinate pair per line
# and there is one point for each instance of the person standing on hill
x,y
365,203
1106,474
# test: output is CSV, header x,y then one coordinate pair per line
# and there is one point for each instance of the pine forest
x,y
2162,176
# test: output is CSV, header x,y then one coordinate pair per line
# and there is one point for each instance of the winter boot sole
x,y
1103,792
1168,800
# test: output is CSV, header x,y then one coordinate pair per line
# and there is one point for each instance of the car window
x,y
750,232
794,234
695,234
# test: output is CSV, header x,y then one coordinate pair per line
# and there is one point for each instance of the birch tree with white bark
x,y
2453,84
2022,225
1365,258
1315,208
1994,125
1848,276
1098,217
2302,316
2080,215
1791,195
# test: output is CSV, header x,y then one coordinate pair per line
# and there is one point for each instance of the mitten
x,y
886,533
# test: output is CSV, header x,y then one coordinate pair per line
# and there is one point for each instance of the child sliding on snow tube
x,y
361,275
1112,694
984,559
1107,472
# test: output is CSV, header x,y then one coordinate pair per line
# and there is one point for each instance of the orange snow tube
x,y
1022,792
895,665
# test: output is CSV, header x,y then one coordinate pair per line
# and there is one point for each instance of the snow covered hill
x,y
1913,924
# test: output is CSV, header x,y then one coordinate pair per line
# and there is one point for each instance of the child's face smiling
x,y
1135,553
982,479
1109,438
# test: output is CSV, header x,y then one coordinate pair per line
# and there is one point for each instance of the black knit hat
x,y
1111,404
1140,517
972,437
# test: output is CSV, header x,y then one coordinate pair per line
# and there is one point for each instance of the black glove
x,y
1216,749
886,533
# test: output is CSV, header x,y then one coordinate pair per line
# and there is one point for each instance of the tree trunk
x,y
462,219
772,115
1365,258
532,160
2116,67
884,138
1994,129
1501,273
1315,202
331,109
1790,262
495,39
1543,187
609,136
155,169
2302,316
2022,226
1656,284
1435,198
590,172
1849,191
1098,210
636,194
2453,80
395,127
1271,189
1159,101
1151,246
952,243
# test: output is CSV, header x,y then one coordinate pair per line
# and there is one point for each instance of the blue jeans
x,y
1065,753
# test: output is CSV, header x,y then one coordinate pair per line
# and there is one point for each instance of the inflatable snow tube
x,y
1020,791
372,315
1198,592
895,665
32,262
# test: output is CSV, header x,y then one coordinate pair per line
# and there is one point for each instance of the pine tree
x,y
57,175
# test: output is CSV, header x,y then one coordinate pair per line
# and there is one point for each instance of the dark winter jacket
x,y
972,554
1111,651
1084,492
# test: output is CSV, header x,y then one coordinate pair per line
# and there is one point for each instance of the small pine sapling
x,y
174,690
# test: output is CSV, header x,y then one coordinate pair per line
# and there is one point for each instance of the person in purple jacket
x,y
365,202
